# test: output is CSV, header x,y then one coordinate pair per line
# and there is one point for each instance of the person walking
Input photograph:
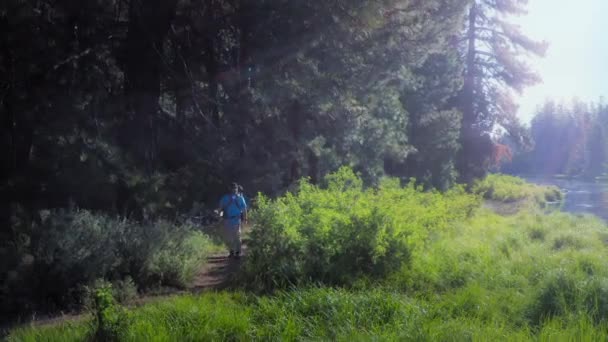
x,y
234,209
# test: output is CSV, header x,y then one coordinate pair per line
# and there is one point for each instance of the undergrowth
x,y
414,266
341,232
67,252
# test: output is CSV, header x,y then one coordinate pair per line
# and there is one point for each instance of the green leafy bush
x,y
123,290
507,188
110,318
179,258
342,232
67,250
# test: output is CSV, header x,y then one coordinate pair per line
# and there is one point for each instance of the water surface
x,y
582,196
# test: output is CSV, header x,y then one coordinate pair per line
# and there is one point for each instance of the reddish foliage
x,y
501,154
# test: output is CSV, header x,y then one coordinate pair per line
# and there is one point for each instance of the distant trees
x,y
568,139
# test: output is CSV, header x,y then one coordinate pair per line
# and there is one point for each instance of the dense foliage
x,y
341,232
182,97
73,250
528,276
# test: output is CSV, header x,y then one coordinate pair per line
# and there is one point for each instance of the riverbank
x,y
580,196
451,275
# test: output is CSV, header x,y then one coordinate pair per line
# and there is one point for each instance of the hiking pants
x,y
232,230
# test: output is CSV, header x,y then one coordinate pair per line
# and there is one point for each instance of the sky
x,y
576,63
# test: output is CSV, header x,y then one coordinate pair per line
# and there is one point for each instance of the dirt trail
x,y
218,273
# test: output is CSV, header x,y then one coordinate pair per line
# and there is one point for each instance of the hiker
x,y
234,211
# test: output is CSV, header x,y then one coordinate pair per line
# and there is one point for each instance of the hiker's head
x,y
234,187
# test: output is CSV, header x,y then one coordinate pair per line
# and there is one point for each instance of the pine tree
x,y
493,49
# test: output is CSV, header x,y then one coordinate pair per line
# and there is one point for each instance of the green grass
x,y
68,332
318,314
529,276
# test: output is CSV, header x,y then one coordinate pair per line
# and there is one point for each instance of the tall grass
x,y
319,314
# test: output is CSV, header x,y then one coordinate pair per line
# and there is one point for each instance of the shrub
x,y
123,290
66,250
110,318
179,258
342,232
509,189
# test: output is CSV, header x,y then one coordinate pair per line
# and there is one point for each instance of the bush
x,y
110,318
341,232
177,261
66,250
506,188
123,290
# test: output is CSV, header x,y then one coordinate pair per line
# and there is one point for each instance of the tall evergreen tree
x,y
493,49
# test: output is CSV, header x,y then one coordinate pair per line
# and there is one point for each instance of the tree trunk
x,y
182,86
467,132
7,166
469,81
211,64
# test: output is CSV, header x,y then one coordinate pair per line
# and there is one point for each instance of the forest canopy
x,y
106,99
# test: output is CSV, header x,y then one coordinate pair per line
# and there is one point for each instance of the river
x,y
581,196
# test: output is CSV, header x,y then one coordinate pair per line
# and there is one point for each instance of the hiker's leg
x,y
237,238
228,236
